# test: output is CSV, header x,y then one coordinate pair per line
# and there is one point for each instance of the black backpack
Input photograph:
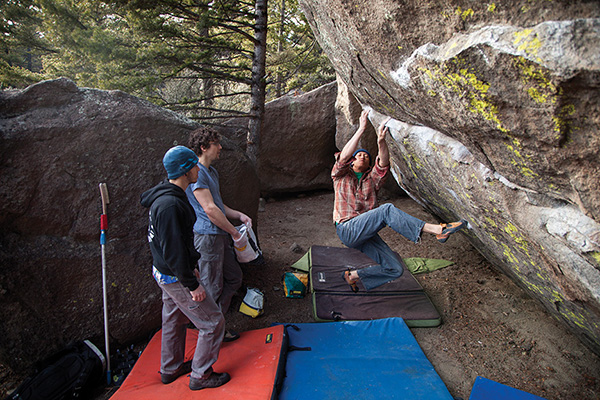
x,y
70,374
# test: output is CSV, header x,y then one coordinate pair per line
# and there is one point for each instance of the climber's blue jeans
x,y
361,233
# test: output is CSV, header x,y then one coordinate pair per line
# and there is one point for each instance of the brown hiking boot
x,y
183,369
212,381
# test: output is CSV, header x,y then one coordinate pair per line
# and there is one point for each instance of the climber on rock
x,y
358,219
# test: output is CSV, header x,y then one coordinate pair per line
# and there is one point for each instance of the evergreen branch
x,y
220,117
178,107
203,99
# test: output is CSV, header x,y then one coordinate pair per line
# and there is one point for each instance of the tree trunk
x,y
208,94
279,77
257,108
207,83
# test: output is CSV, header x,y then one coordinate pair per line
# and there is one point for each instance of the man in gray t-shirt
x,y
219,270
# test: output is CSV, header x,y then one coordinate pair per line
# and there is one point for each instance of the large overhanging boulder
x,y
496,119
58,142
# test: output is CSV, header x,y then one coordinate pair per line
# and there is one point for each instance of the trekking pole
x,y
103,228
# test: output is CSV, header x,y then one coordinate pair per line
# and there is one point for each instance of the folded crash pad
x,y
378,359
418,265
486,389
334,300
253,361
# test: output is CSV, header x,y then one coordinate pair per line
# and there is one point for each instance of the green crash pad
x,y
334,300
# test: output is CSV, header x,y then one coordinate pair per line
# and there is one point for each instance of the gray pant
x,y
220,273
178,310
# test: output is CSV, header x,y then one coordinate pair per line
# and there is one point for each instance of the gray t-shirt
x,y
208,178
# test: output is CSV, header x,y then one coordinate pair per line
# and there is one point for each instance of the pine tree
x,y
21,44
295,62
209,60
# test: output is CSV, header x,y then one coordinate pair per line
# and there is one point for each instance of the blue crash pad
x,y
485,389
378,359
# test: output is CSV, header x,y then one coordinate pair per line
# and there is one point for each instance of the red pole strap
x,y
103,222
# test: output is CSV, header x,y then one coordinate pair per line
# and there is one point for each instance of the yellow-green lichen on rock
x,y
537,82
467,84
527,41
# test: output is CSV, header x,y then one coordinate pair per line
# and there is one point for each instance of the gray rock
x,y
58,142
495,119
296,248
298,142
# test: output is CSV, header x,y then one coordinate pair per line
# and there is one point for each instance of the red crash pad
x,y
252,361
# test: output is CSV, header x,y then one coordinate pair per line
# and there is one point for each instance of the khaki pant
x,y
178,310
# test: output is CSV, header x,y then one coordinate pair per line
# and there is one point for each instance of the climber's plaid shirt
x,y
354,197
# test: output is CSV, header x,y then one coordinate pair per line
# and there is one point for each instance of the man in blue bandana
x,y
171,238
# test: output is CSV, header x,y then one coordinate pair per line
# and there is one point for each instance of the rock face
x,y
298,142
58,143
495,111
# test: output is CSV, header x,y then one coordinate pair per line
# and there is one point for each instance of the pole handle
x,y
104,195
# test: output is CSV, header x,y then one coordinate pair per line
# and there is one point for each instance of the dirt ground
x,y
490,328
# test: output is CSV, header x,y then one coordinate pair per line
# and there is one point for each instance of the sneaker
x,y
212,381
183,369
449,229
230,336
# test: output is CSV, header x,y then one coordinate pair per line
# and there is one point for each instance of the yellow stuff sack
x,y
252,304
295,284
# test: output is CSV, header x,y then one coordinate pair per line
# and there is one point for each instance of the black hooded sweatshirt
x,y
171,232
